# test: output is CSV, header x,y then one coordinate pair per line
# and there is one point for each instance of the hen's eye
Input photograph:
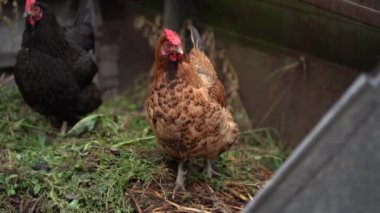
x,y
166,45
35,9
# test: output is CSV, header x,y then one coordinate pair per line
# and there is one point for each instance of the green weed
x,y
110,163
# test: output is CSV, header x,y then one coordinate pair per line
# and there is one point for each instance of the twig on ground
x,y
179,207
136,140
135,201
4,80
236,194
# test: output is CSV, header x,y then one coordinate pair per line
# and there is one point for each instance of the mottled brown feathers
x,y
186,107
206,72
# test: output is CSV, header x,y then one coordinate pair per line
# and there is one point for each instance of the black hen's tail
x,y
195,37
86,13
82,31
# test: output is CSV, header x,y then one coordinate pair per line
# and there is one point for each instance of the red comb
x,y
28,4
172,37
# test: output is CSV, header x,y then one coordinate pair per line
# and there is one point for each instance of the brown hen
x,y
186,106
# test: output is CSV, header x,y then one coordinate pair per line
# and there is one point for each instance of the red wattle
x,y
31,21
173,57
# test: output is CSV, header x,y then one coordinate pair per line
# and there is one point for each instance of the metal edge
x,y
305,146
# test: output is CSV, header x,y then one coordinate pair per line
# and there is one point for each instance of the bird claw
x,y
180,181
178,186
209,171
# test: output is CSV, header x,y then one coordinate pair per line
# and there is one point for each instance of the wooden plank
x,y
364,11
303,28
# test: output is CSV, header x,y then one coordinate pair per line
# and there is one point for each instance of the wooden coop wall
x,y
262,37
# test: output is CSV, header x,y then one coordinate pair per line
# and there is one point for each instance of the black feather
x,y
53,73
81,32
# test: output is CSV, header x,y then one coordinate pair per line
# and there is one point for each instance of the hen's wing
x,y
205,69
217,93
84,69
89,99
53,93
81,35
38,84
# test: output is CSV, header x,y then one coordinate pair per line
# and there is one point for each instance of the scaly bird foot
x,y
209,171
180,181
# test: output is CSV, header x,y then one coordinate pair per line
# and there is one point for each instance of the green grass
x,y
116,165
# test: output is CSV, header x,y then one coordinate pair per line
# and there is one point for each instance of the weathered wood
x,y
173,14
294,25
108,63
335,168
365,11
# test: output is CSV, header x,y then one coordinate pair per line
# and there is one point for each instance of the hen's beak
x,y
179,50
26,14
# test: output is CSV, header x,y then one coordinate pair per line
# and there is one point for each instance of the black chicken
x,y
54,70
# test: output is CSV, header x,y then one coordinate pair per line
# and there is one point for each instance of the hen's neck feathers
x,y
47,36
167,71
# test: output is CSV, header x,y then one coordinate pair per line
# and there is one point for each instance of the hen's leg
x,y
180,181
209,170
64,127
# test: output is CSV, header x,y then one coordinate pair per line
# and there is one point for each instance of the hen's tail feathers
x,y
86,13
82,30
195,37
